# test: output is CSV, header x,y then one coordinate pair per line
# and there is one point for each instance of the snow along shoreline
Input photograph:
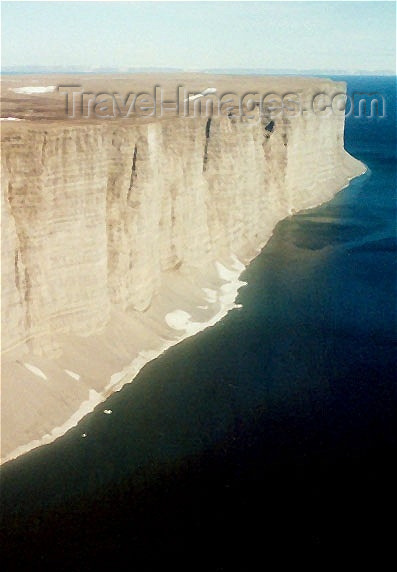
x,y
176,319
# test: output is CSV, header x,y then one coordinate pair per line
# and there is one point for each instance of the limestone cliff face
x,y
97,218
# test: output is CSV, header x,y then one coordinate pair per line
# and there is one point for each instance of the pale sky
x,y
199,35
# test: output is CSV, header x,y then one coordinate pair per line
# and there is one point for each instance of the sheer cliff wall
x,y
102,220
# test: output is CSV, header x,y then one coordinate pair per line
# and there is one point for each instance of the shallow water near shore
x,y
258,432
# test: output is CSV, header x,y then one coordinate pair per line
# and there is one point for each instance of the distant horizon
x,y
43,70
273,37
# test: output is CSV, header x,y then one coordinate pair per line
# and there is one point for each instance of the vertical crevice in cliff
x,y
173,249
286,126
43,149
133,177
207,138
208,128
21,277
27,289
16,269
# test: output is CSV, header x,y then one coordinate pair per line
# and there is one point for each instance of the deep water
x,y
272,433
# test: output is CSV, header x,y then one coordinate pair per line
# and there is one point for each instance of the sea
x,y
271,434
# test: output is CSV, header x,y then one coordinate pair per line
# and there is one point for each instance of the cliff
x,y
119,239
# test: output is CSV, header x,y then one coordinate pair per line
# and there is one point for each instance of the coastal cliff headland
x,y
122,237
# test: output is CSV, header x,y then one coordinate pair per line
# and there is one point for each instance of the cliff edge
x,y
119,239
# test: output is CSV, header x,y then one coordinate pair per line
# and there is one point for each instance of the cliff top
x,y
37,100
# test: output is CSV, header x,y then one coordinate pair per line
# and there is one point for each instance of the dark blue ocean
x,y
273,433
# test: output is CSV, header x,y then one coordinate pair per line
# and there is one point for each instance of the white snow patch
x,y
206,91
72,374
37,371
237,264
34,89
209,90
210,295
178,319
224,273
116,377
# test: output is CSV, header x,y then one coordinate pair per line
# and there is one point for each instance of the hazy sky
x,y
194,35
